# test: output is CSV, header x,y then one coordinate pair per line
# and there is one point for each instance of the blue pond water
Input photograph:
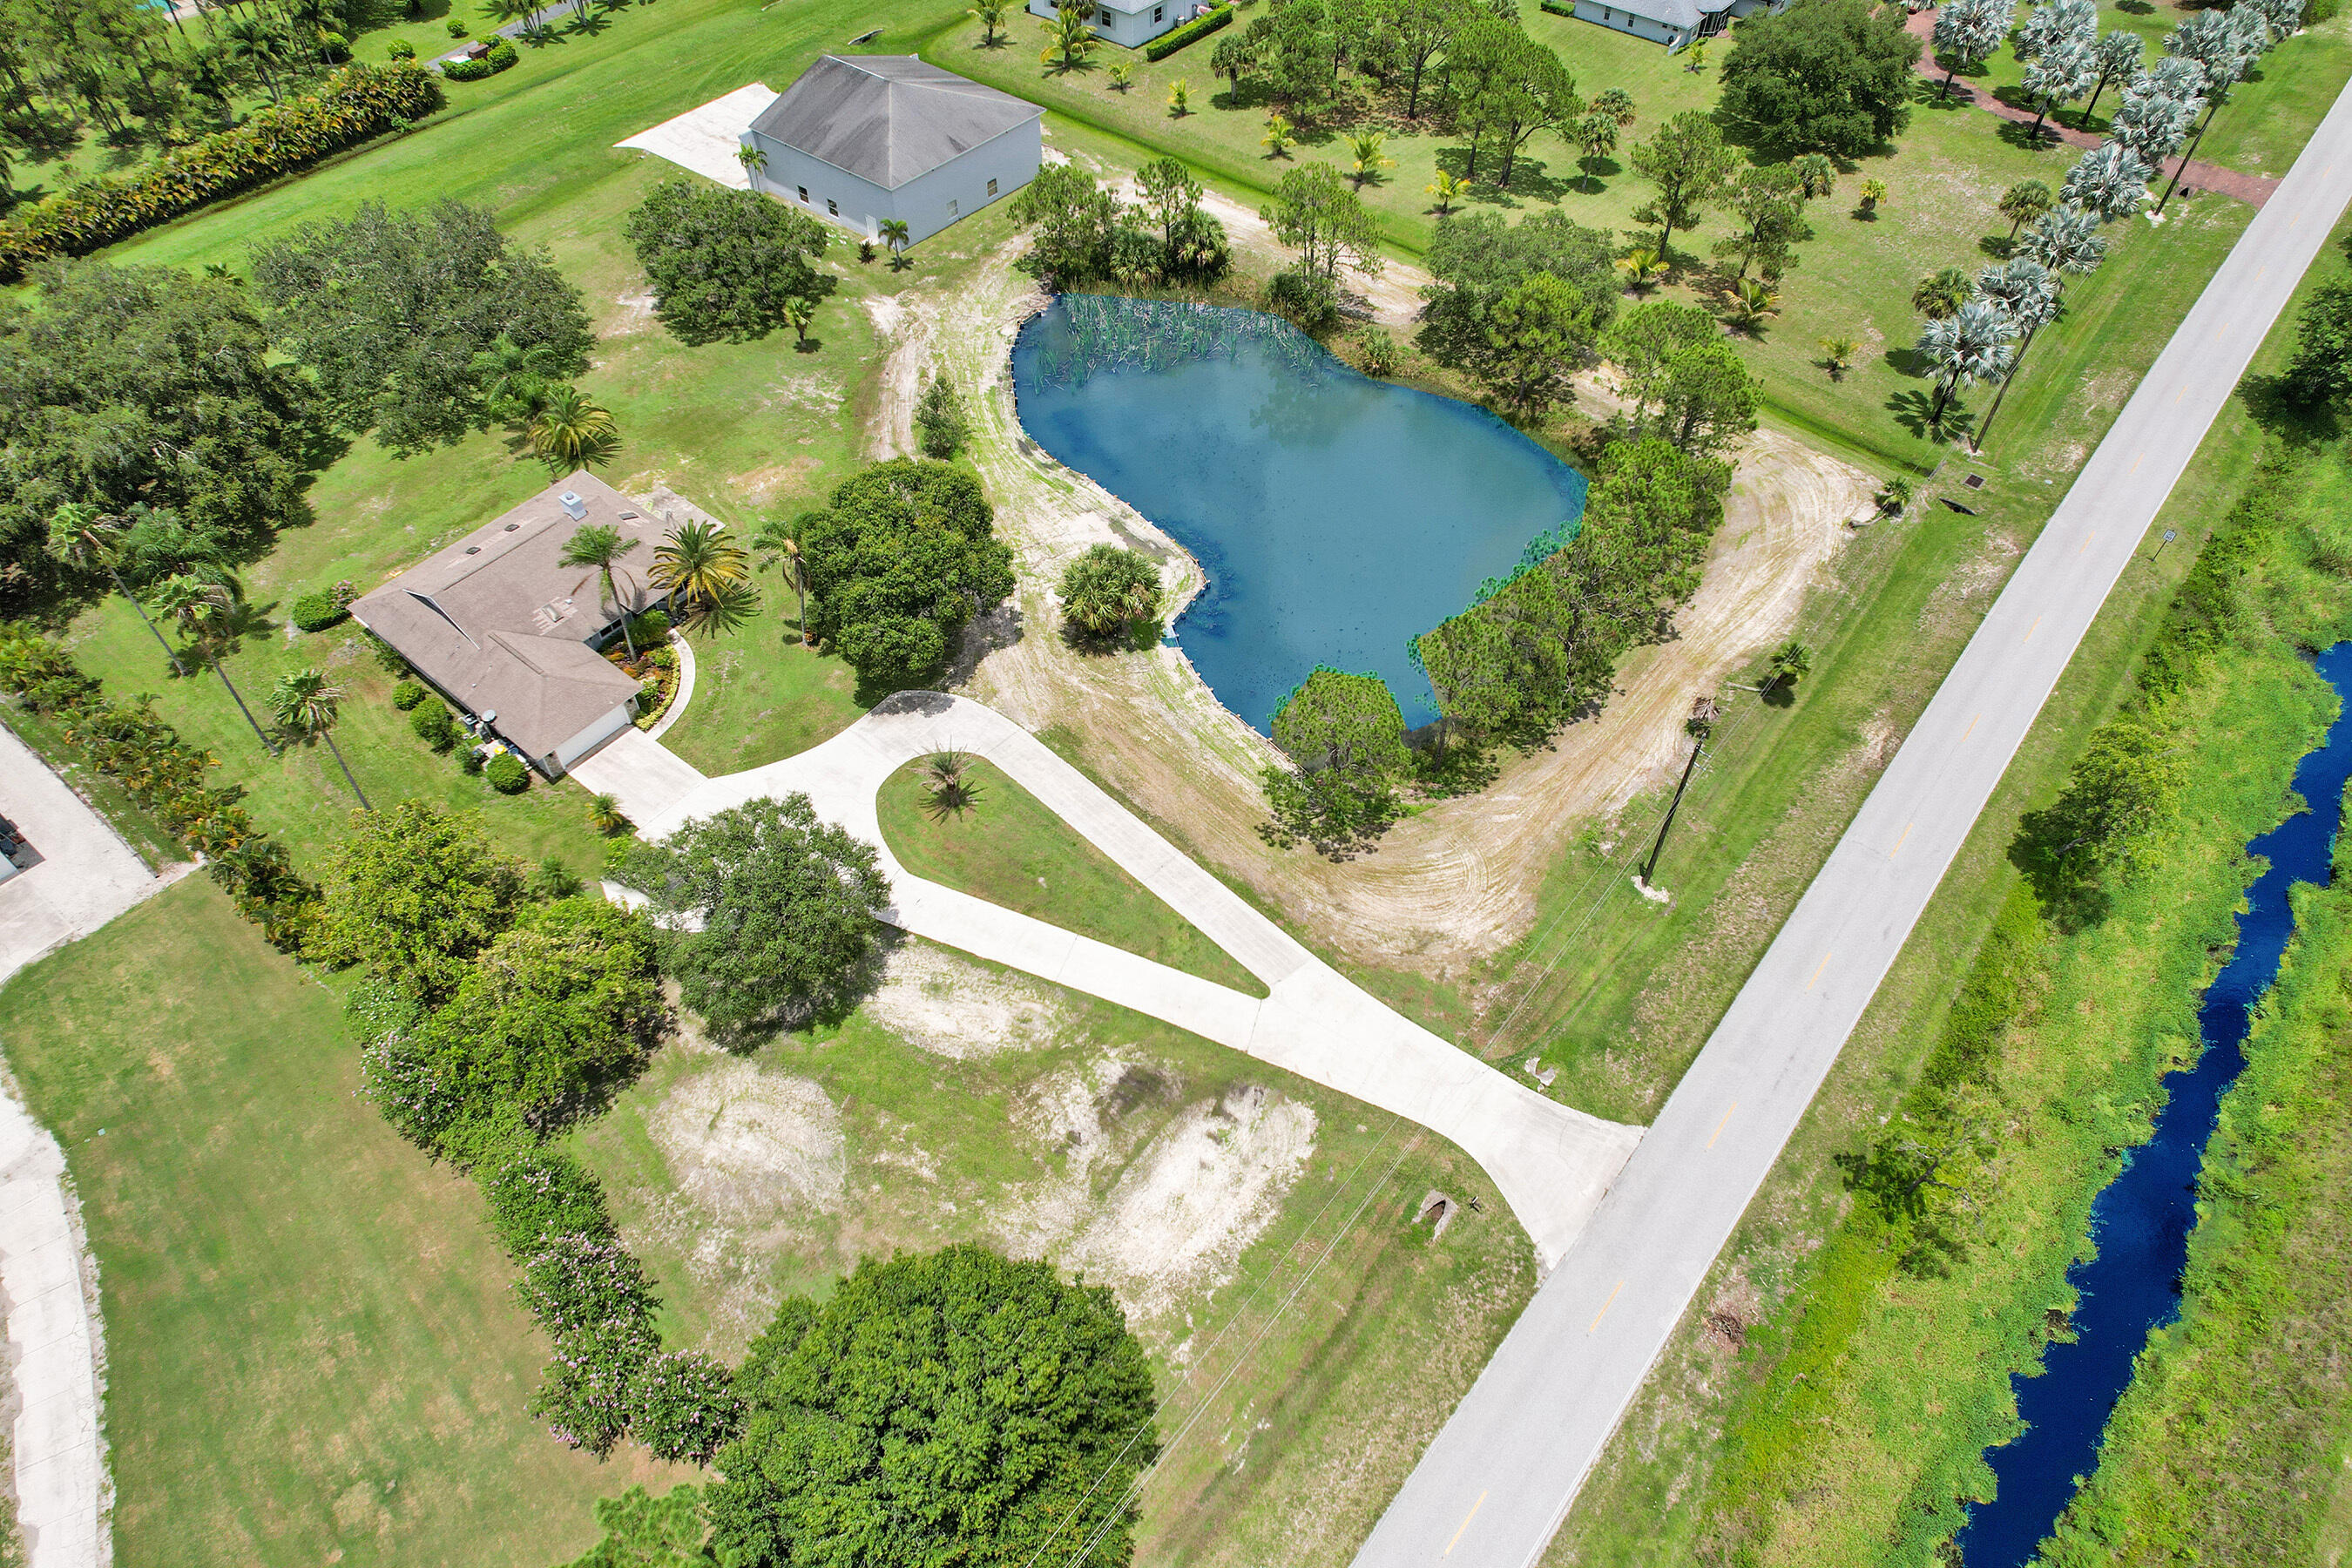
x,y
2143,1218
1337,516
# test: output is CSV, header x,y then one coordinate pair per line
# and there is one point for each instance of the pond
x,y
1337,516
2141,1221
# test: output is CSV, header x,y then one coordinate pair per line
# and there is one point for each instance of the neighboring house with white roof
x,y
499,626
1672,23
1133,23
862,139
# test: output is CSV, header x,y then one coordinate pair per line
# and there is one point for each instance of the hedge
x,y
316,612
1557,9
1167,43
165,776
357,103
407,695
506,774
501,56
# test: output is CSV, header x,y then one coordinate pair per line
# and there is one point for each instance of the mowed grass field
x,y
1945,177
313,1354
1008,847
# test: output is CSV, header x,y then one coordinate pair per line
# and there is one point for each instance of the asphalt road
x,y
1500,1476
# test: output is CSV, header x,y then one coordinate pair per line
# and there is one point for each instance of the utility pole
x,y
1702,719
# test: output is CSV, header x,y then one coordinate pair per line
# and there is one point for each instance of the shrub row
x,y
165,776
1557,9
1167,43
501,55
356,104
610,1377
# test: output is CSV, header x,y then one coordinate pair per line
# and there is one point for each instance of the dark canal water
x,y
1337,516
2142,1220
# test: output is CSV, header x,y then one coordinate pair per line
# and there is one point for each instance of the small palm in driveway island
x,y
947,778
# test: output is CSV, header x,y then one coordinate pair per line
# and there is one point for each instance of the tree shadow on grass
x,y
2288,413
1912,406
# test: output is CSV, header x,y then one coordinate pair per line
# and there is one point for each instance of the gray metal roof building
x,y
866,138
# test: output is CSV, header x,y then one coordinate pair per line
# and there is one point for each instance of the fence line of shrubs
x,y
500,56
355,104
1167,43
127,744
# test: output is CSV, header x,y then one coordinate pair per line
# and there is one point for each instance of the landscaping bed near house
x,y
659,671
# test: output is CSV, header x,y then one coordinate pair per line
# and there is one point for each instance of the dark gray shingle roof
x,y
887,117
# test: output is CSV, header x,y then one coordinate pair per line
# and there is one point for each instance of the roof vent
x,y
473,549
573,507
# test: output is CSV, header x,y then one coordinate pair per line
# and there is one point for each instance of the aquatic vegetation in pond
x,y
1337,516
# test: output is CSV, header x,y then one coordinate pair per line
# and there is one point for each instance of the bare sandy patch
x,y
748,1145
950,1007
634,313
1194,1199
762,484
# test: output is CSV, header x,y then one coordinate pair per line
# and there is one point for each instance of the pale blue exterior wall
x,y
1130,27
1674,35
926,203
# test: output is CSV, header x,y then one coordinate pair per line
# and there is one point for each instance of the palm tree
x,y
950,791
1789,660
777,544
571,432
198,607
1278,136
604,815
598,545
2023,202
1447,190
304,704
1067,39
2028,295
1122,76
754,162
255,41
2117,55
991,14
504,11
2067,242
696,564
2110,180
728,608
1972,344
1364,149
2063,71
1816,175
1837,354
1751,303
800,314
1180,96
1642,267
514,379
84,537
1941,292
1872,191
895,236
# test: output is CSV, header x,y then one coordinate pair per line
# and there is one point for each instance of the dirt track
x,y
1443,889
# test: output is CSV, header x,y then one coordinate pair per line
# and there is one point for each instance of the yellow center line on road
x,y
1596,1323
1710,1143
2136,462
2087,541
1465,1524
1817,973
2029,631
1907,827
1972,727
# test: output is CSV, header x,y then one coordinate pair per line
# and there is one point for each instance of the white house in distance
x,y
1133,23
861,139
496,623
1672,23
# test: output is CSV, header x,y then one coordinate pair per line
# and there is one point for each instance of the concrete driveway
x,y
703,139
86,877
1552,1163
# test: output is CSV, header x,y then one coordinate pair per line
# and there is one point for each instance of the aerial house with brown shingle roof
x,y
499,626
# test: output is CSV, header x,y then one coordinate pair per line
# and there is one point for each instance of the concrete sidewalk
x,y
1553,1163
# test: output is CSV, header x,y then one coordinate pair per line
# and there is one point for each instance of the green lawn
x,y
1008,849
759,695
313,1353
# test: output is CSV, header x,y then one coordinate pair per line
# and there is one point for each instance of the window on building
x,y
991,187
1159,13
832,207
1102,17
803,195
953,208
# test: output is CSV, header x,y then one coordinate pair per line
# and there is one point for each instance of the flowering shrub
x,y
594,1301
683,1406
541,1195
353,105
130,744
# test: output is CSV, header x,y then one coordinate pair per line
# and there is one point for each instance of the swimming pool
x,y
1337,516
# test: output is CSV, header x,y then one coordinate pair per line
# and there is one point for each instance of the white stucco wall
x,y
1131,29
926,203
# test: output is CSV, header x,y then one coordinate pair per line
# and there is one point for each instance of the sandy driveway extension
x,y
1552,1163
